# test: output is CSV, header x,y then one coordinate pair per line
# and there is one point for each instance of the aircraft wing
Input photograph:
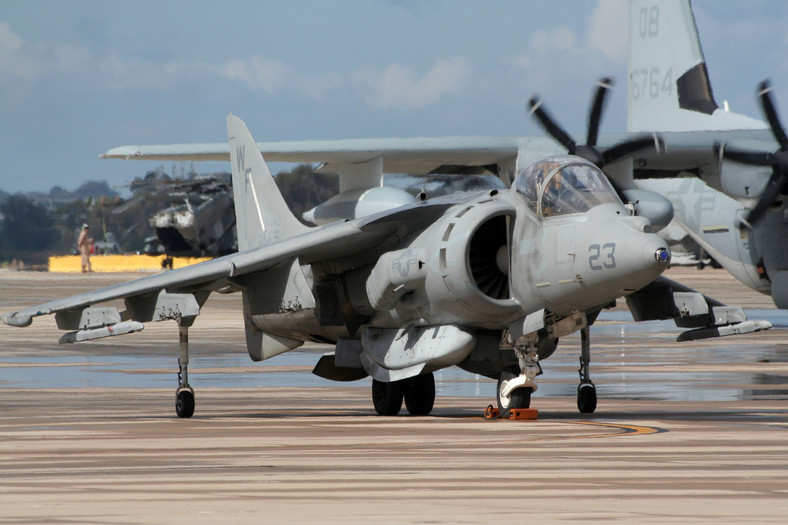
x,y
332,241
683,151
400,155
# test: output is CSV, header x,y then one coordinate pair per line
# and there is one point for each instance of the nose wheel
x,y
509,399
586,391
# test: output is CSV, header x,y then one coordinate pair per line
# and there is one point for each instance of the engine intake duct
x,y
488,258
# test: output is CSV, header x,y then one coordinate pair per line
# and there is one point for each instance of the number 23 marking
x,y
596,254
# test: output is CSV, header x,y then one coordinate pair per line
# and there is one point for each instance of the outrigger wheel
x,y
184,402
519,398
586,398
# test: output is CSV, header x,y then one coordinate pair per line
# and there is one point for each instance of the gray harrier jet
x,y
485,280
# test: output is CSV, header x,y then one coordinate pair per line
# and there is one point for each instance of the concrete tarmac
x,y
684,433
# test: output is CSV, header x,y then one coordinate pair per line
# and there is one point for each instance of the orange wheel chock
x,y
524,413
491,412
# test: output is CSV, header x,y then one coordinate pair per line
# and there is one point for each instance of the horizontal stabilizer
x,y
126,327
744,327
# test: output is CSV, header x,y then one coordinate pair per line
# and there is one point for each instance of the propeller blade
x,y
595,115
752,158
552,128
764,89
630,146
773,189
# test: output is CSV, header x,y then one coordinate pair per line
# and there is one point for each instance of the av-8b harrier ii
x,y
487,281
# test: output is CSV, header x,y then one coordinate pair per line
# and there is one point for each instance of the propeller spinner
x,y
778,160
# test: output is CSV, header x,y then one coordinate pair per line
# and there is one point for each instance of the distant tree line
x,y
35,226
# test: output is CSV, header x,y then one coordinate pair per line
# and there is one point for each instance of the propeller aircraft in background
x,y
713,167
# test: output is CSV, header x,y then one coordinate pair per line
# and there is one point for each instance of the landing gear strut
x,y
517,383
184,396
586,391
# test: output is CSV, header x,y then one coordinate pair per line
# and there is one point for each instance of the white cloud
x,y
562,67
20,60
121,73
10,42
259,73
394,87
560,39
398,87
24,61
609,29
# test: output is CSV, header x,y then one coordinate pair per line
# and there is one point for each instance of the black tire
x,y
586,398
420,394
520,398
387,397
184,403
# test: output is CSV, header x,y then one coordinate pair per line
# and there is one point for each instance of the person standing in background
x,y
83,244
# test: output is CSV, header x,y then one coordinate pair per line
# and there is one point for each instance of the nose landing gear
x,y
516,384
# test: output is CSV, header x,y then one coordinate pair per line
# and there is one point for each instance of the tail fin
x,y
669,88
261,214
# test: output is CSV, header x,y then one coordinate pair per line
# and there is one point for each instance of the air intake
x,y
488,258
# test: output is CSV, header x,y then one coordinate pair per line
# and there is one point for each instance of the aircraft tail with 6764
x,y
669,86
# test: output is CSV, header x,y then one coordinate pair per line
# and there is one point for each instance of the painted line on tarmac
x,y
626,430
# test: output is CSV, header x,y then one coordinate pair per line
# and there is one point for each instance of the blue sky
x,y
79,77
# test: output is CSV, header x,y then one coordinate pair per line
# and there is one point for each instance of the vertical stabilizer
x,y
261,214
669,87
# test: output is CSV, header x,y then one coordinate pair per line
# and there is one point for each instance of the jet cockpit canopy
x,y
562,185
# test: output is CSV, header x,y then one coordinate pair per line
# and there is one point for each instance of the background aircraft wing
x,y
415,156
683,151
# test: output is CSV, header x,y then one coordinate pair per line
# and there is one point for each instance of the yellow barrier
x,y
120,263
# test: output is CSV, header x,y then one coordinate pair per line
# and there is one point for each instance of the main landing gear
x,y
417,392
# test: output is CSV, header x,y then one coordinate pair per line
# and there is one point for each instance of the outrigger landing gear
x,y
184,396
586,391
516,384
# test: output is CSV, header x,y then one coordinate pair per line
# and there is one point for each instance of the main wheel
x,y
586,398
520,398
420,394
184,403
387,397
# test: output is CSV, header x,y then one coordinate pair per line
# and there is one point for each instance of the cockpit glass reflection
x,y
561,186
